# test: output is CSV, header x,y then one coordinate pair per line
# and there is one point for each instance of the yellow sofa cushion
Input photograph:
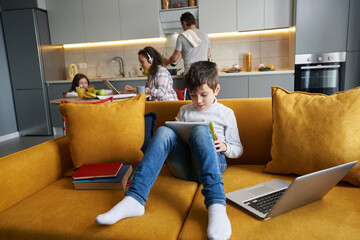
x,y
106,132
315,131
60,212
336,216
254,121
28,171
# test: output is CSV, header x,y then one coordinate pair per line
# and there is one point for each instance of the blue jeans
x,y
197,161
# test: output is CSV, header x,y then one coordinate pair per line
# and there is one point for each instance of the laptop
x,y
271,198
112,88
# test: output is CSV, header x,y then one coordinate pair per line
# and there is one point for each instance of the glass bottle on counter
x,y
248,62
192,3
165,4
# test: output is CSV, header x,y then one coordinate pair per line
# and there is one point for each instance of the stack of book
x,y
102,176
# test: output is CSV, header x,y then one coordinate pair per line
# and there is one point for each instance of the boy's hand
x,y
220,146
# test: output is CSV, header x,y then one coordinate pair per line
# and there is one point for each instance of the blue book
x,y
112,183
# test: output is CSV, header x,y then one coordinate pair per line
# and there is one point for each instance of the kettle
x,y
72,71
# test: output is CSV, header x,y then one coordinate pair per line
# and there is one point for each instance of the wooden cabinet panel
x,y
217,16
66,21
250,14
260,86
278,13
233,87
321,26
354,29
140,19
352,73
102,20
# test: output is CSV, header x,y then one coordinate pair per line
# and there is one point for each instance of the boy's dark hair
x,y
188,18
200,73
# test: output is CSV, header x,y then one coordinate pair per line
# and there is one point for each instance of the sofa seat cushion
x,y
60,212
336,216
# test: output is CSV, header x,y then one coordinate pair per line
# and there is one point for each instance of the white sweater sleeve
x,y
232,138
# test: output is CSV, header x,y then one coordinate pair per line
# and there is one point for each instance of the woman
x,y
159,83
79,80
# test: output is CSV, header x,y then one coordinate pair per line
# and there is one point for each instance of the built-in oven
x,y
320,73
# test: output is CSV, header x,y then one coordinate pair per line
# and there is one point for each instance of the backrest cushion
x,y
106,132
315,131
253,118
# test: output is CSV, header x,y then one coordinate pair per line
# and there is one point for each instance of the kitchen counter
x,y
254,73
221,74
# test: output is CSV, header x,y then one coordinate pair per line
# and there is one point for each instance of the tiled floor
x,y
19,143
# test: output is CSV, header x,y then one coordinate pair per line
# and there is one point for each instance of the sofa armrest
x,y
26,172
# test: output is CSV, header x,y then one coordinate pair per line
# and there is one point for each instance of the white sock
x,y
219,226
128,207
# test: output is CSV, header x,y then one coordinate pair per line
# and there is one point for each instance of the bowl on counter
x,y
173,71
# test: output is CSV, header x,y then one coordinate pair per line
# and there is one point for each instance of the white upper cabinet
x,y
278,13
66,21
140,19
250,14
217,16
264,14
102,20
78,21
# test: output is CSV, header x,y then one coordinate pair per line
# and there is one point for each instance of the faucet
x,y
121,65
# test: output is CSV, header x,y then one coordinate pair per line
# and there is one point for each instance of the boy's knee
x,y
200,129
165,131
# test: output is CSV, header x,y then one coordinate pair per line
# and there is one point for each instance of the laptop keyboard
x,y
264,203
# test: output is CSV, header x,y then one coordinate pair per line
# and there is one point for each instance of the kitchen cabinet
x,y
353,43
264,14
140,19
7,108
66,21
352,71
278,13
78,21
22,4
170,18
233,87
260,85
250,15
213,15
101,20
321,26
30,66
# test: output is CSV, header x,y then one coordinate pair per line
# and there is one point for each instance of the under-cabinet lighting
x,y
122,42
234,34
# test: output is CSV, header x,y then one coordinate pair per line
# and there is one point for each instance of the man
x,y
192,44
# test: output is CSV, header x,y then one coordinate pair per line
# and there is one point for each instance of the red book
x,y
104,170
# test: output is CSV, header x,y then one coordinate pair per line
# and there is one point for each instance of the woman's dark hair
x,y
188,18
75,81
200,73
157,59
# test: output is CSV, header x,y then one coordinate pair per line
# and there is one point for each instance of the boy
x,y
202,160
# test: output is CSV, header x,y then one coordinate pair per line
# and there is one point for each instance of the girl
x,y
79,80
159,83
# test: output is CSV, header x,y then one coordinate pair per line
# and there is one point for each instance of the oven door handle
x,y
321,66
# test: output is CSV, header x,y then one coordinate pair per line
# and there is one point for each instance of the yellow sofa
x,y
37,202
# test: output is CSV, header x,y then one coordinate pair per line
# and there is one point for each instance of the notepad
x,y
112,183
183,128
93,171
